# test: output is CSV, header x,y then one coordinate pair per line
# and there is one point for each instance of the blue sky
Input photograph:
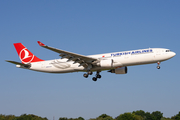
x,y
89,27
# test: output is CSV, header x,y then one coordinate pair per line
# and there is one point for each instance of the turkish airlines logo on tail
x,y
26,56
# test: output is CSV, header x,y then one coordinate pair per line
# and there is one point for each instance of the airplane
x,y
115,62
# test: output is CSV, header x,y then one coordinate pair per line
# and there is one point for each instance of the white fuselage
x,y
120,59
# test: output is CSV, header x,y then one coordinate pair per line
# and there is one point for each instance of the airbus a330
x,y
115,62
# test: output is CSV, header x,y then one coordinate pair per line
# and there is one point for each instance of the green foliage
x,y
149,116
135,115
140,113
64,118
8,117
163,118
22,117
129,116
81,118
157,115
103,117
30,117
176,117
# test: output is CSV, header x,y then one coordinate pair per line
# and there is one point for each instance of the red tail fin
x,y
25,55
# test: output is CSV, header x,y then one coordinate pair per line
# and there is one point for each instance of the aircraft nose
x,y
174,53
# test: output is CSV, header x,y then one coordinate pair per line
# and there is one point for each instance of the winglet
x,y
40,43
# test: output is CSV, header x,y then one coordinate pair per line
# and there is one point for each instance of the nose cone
x,y
173,53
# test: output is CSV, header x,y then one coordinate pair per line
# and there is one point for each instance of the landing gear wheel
x,y
98,76
158,67
94,79
85,75
90,72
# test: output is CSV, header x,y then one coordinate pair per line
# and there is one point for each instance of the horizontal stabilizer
x,y
18,63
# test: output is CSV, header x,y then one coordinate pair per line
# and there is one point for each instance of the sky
x,y
87,28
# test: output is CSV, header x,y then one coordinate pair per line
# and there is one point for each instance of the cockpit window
x,y
168,50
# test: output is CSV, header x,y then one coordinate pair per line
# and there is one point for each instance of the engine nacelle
x,y
106,63
122,70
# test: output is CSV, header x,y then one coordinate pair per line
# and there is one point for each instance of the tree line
x,y
135,115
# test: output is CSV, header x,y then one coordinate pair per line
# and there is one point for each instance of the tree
x,y
30,117
103,116
63,118
163,118
148,116
140,113
157,114
80,118
129,116
176,117
2,117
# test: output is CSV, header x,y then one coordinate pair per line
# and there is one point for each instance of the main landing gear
x,y
87,74
97,76
90,73
158,67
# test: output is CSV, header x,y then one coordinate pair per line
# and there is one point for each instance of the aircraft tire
x,y
90,72
99,76
85,75
94,79
158,67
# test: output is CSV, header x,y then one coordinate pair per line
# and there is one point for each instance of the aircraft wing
x,y
77,58
18,63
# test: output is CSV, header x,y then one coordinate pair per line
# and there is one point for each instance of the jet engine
x,y
106,63
122,70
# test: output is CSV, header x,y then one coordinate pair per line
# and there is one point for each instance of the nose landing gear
x,y
158,67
